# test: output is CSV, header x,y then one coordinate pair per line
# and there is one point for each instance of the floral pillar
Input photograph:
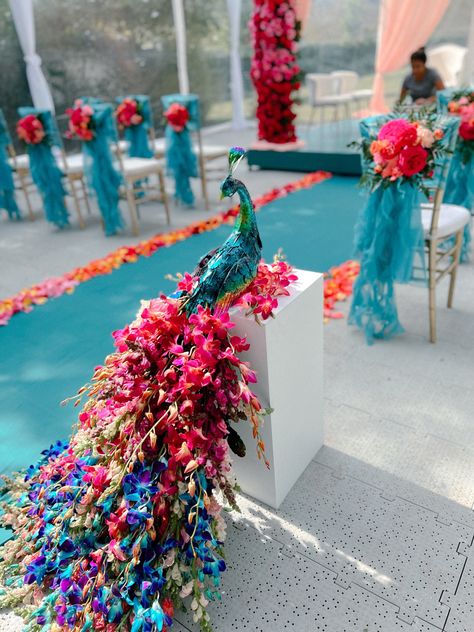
x,y
274,71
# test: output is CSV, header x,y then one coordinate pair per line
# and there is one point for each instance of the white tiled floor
x,y
378,533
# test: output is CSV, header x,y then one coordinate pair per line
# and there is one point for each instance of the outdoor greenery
x,y
108,48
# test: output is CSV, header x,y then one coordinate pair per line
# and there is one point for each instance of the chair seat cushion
x,y
140,166
452,218
208,151
74,164
213,151
363,93
22,161
333,99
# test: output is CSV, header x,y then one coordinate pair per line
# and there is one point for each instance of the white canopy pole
x,y
180,33
23,17
234,8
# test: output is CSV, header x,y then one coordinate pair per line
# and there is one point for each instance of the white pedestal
x,y
287,354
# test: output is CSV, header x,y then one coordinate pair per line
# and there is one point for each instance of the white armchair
x,y
448,60
323,92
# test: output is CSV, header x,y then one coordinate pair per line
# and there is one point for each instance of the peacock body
x,y
224,273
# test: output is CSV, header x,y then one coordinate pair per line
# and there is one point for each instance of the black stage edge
x,y
325,148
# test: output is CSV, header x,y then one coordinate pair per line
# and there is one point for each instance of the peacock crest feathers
x,y
235,156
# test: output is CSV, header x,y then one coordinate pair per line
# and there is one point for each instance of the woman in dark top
x,y
423,82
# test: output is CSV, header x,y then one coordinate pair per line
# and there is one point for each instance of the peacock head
x,y
230,184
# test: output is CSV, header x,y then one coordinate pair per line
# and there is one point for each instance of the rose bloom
x,y
412,160
177,116
399,132
466,130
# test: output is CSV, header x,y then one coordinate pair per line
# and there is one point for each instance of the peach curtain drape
x,y
302,9
404,26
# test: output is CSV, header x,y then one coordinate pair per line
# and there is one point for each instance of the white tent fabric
x,y
236,81
23,17
468,74
180,32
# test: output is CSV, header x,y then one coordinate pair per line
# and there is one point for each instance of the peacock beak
x,y
222,195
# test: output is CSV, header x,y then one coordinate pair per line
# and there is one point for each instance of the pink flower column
x,y
275,73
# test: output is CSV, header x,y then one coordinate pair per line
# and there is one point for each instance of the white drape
x,y
468,75
23,17
180,34
234,8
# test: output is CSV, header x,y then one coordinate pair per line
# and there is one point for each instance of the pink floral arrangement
x,y
128,113
275,31
462,105
30,129
80,123
402,150
177,116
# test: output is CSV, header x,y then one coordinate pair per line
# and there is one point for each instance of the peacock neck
x,y
246,221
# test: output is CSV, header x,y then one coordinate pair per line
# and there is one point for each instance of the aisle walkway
x,y
378,534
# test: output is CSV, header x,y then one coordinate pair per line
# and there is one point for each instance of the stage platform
x,y
325,148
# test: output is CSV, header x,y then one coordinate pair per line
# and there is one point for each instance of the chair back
x,y
5,138
320,85
145,105
90,100
448,60
346,81
449,125
191,103
443,97
369,128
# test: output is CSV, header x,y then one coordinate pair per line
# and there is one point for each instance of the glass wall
x,y
111,47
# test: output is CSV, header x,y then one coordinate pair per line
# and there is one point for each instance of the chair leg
x,y
311,117
24,187
202,169
85,196
132,209
77,204
164,196
454,271
432,289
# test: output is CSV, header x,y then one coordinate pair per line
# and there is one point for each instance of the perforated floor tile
x,y
427,403
461,603
396,549
265,591
400,460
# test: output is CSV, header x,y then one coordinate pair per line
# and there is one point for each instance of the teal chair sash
x,y
7,185
460,180
138,135
99,167
44,171
181,160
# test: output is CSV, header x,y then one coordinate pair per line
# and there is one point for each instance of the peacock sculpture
x,y
117,528
225,272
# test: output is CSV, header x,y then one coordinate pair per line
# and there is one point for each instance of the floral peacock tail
x,y
120,526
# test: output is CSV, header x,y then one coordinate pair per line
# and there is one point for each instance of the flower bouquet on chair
x,y
133,115
180,158
398,156
460,183
93,124
38,130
